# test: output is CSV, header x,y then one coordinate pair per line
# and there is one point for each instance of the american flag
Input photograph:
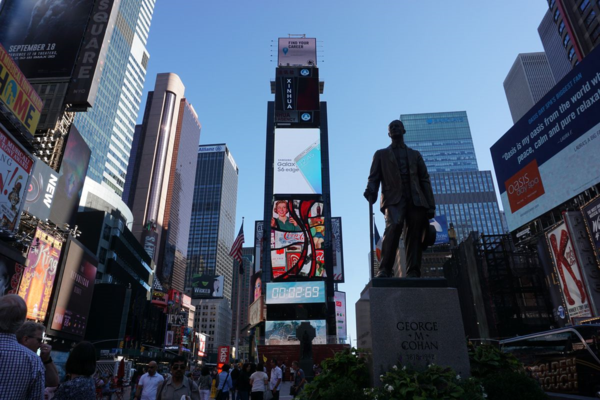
x,y
236,248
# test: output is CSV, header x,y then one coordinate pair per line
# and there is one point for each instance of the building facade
x,y
465,195
213,319
528,80
212,223
554,47
108,127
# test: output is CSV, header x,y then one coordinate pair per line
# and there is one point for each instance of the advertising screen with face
x,y
297,161
38,278
207,286
284,332
297,238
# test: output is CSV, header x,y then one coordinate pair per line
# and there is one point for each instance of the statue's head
x,y
396,129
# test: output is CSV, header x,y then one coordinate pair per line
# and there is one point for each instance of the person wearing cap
x,y
406,199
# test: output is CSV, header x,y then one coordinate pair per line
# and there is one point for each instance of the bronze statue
x,y
406,199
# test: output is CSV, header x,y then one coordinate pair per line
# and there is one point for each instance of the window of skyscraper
x,y
567,40
584,4
556,15
571,53
590,18
551,3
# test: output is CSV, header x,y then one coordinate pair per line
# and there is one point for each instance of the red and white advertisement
x,y
15,167
568,271
222,357
201,345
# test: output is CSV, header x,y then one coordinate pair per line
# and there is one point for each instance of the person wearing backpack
x,y
178,385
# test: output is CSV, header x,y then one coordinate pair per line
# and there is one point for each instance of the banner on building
x,y
338,249
255,312
441,229
207,287
258,246
300,52
222,357
39,275
591,216
569,272
16,165
340,315
41,190
297,162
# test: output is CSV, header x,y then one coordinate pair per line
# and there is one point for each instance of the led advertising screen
x,y
295,292
297,161
297,97
39,275
300,52
15,166
258,246
297,238
69,317
256,313
207,287
10,275
256,286
340,315
568,271
43,37
284,332
551,154
41,189
338,249
591,216
441,229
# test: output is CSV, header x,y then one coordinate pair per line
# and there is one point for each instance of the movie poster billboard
x,y
297,162
207,287
40,273
43,37
299,52
340,315
258,246
549,155
297,239
15,166
338,249
284,332
10,275
591,216
69,317
568,271
18,95
73,171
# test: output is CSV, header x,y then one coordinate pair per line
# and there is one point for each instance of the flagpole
x,y
372,266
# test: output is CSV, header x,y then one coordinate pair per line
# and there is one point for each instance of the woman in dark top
x,y
80,366
205,383
243,382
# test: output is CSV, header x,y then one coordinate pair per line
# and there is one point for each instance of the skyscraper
x,y
462,193
553,47
528,80
212,225
108,127
163,159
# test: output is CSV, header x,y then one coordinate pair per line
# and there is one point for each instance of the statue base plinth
x,y
412,322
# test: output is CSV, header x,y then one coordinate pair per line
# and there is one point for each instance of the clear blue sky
x,y
379,59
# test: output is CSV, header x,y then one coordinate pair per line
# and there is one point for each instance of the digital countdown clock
x,y
295,292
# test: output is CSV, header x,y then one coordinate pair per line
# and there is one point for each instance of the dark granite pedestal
x,y
413,322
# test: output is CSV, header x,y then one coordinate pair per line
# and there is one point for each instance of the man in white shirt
x,y
148,383
276,377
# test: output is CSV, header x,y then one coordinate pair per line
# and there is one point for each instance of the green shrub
x,y
487,360
512,385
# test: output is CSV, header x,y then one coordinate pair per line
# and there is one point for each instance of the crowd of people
x,y
27,375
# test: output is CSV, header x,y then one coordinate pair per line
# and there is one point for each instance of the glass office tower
x,y
108,127
212,225
465,195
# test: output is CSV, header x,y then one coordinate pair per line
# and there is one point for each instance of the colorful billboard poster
x,y
284,332
297,238
41,189
72,304
338,249
258,245
568,271
441,229
297,161
256,285
18,95
549,155
340,315
43,37
10,276
300,52
591,216
39,275
15,166
73,171
295,292
207,287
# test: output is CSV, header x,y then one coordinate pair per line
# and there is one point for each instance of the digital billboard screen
x,y
297,101
591,216
258,245
39,275
15,166
71,307
297,52
284,332
440,224
297,238
297,161
43,37
568,271
340,315
10,276
207,286
550,155
295,292
338,249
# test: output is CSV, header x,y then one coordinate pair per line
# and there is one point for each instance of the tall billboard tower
x,y
298,254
